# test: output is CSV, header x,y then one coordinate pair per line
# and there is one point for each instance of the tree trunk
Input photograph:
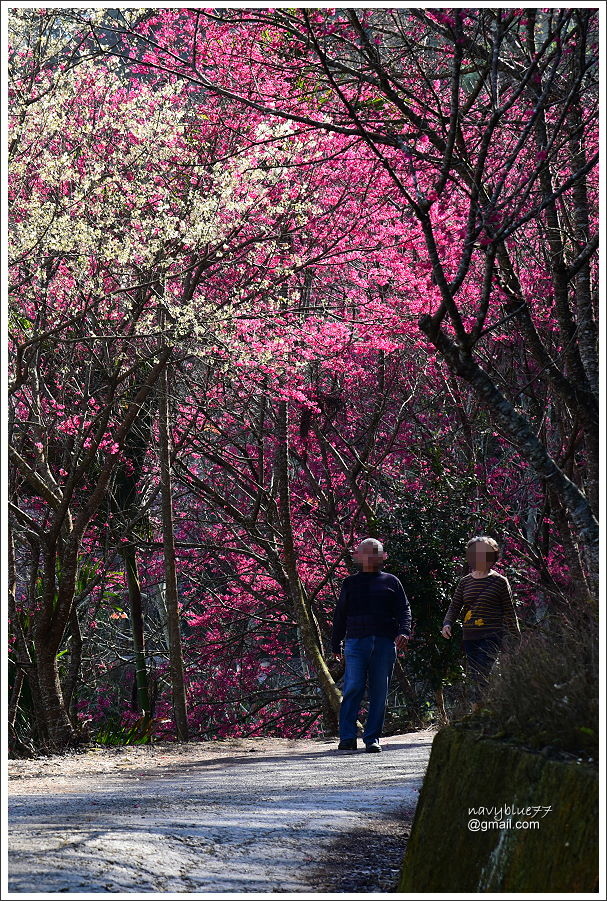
x,y
74,667
24,659
59,730
136,608
303,613
47,634
13,704
579,581
168,541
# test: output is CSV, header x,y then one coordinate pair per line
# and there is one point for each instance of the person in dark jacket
x,y
372,619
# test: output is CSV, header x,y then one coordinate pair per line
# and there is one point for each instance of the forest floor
x,y
242,815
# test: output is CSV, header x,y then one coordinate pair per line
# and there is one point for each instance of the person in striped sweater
x,y
483,597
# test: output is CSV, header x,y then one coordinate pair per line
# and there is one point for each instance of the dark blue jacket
x,y
370,604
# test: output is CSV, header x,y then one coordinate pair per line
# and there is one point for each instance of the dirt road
x,y
250,815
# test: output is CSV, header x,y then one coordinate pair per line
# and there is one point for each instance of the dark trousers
x,y
481,654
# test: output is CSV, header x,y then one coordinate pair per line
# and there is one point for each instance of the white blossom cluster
x,y
106,175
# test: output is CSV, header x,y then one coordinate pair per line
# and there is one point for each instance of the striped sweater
x,y
486,606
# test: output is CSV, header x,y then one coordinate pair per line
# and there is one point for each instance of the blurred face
x,y
369,558
480,556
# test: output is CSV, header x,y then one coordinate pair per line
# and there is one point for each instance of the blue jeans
x,y
369,661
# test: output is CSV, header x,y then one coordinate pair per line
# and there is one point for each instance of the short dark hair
x,y
486,539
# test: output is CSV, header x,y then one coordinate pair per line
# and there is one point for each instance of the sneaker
x,y
373,747
348,744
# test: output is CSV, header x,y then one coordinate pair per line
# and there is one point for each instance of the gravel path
x,y
251,815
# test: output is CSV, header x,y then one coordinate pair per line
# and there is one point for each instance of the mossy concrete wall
x,y
560,854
